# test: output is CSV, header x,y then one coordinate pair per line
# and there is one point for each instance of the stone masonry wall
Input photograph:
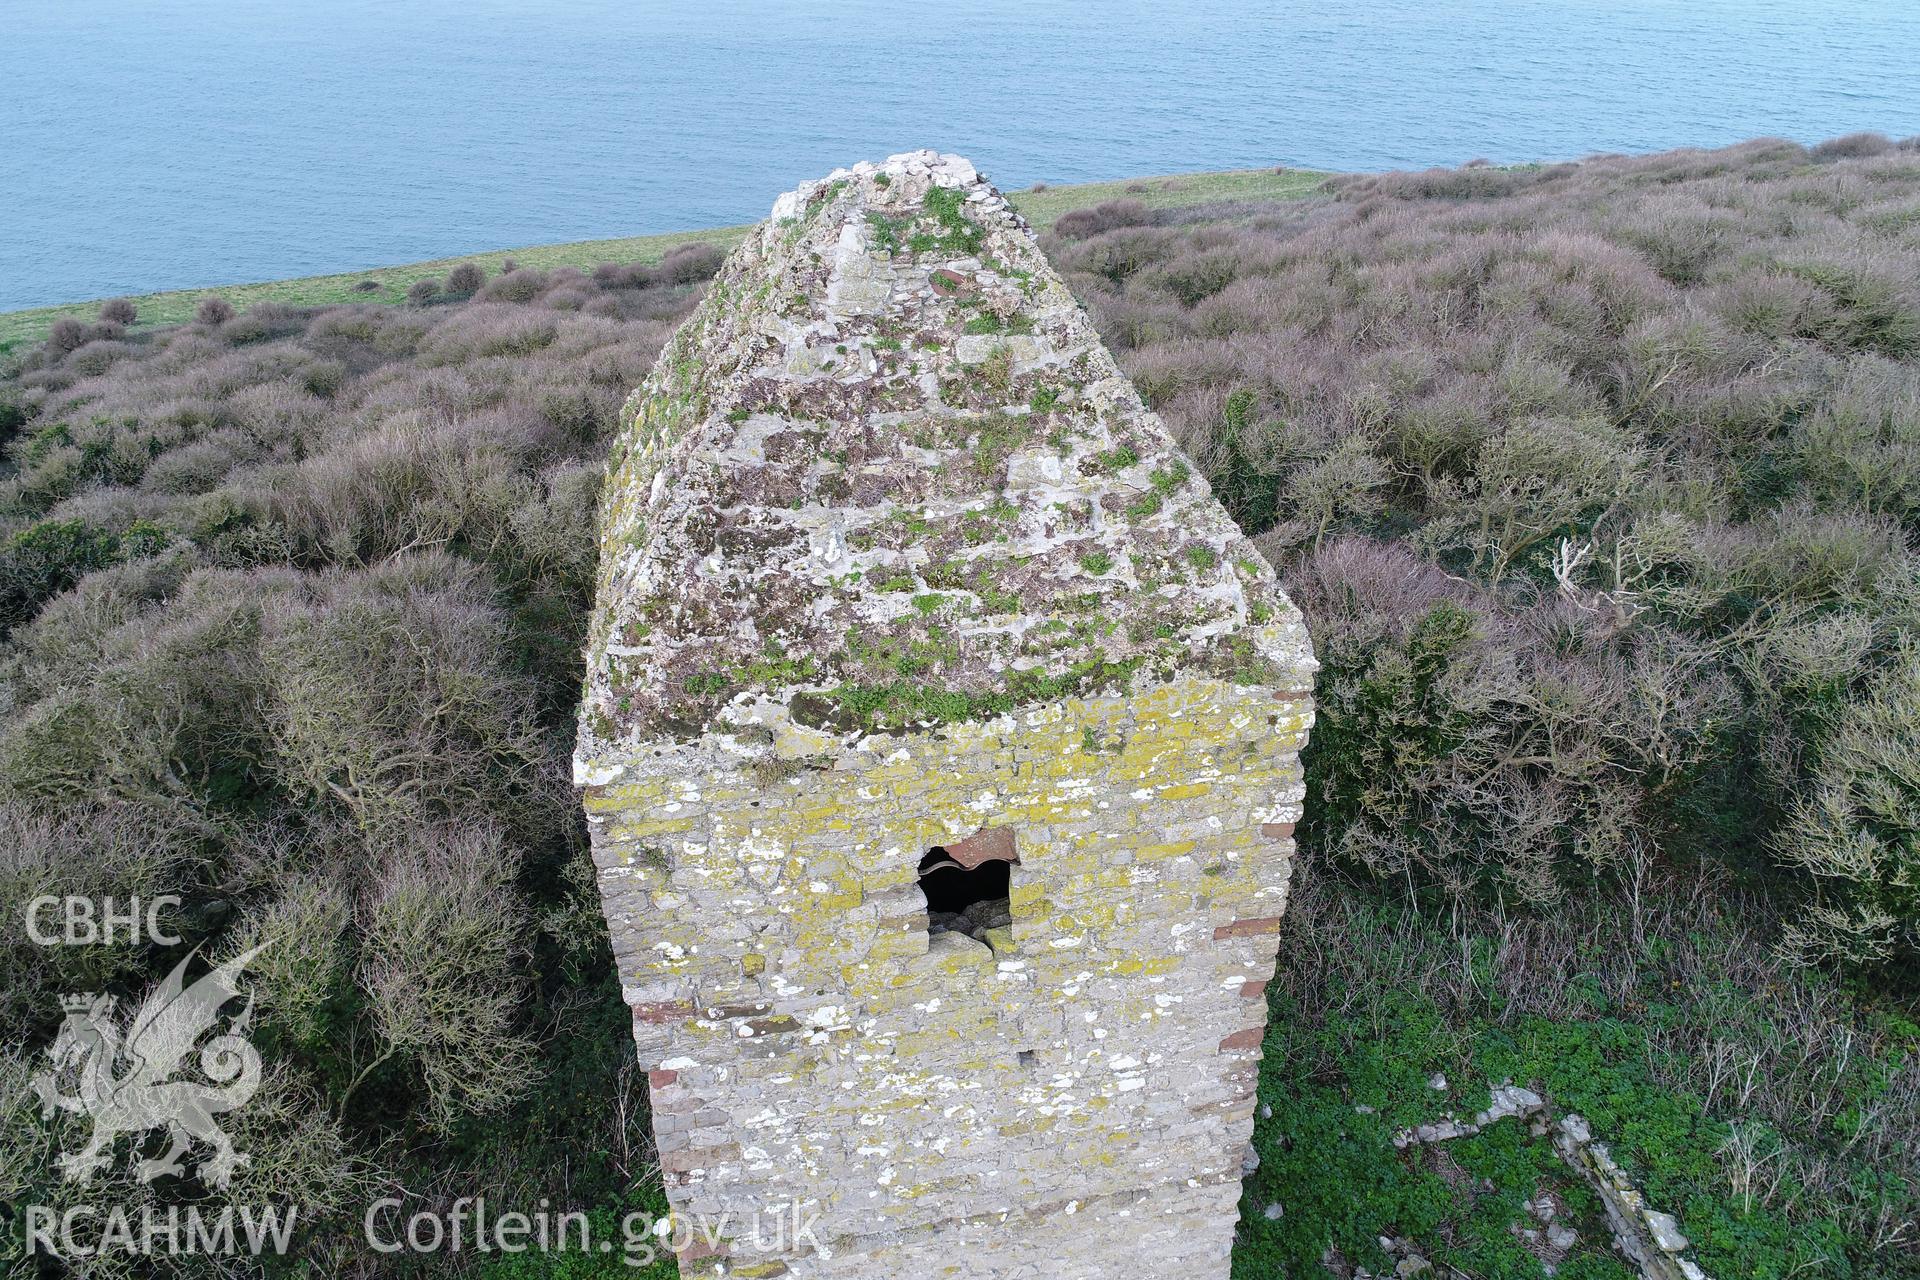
x,y
1077,1107
892,555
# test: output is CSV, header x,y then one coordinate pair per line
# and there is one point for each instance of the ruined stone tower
x,y
940,752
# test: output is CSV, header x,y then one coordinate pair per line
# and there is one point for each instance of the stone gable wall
x,y
894,557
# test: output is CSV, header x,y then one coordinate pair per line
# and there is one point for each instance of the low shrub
x,y
514,286
1078,224
1651,414
1851,146
688,264
443,949
1854,830
66,335
1482,750
263,321
48,556
86,850
213,311
465,280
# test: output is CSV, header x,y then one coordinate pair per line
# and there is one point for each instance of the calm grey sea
x,y
158,144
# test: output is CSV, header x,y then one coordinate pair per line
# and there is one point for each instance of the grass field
x,y
18,328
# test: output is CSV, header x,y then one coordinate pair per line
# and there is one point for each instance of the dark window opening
x,y
969,901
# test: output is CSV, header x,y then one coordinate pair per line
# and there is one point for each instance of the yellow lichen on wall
x,y
774,944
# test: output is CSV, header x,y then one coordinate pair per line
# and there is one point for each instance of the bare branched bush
x,y
444,944
362,713
92,852
66,335
688,264
1855,830
1852,145
297,1154
263,321
1476,748
514,286
465,280
213,311
1078,224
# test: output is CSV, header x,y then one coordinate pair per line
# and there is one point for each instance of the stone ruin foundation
x,y
940,751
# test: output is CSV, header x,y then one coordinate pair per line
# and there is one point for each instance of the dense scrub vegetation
x,y
1600,487
1599,484
294,602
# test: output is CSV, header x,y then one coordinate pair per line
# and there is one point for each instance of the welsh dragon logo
x,y
124,1072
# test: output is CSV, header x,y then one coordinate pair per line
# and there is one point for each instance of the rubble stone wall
x,y
1075,1106
893,555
